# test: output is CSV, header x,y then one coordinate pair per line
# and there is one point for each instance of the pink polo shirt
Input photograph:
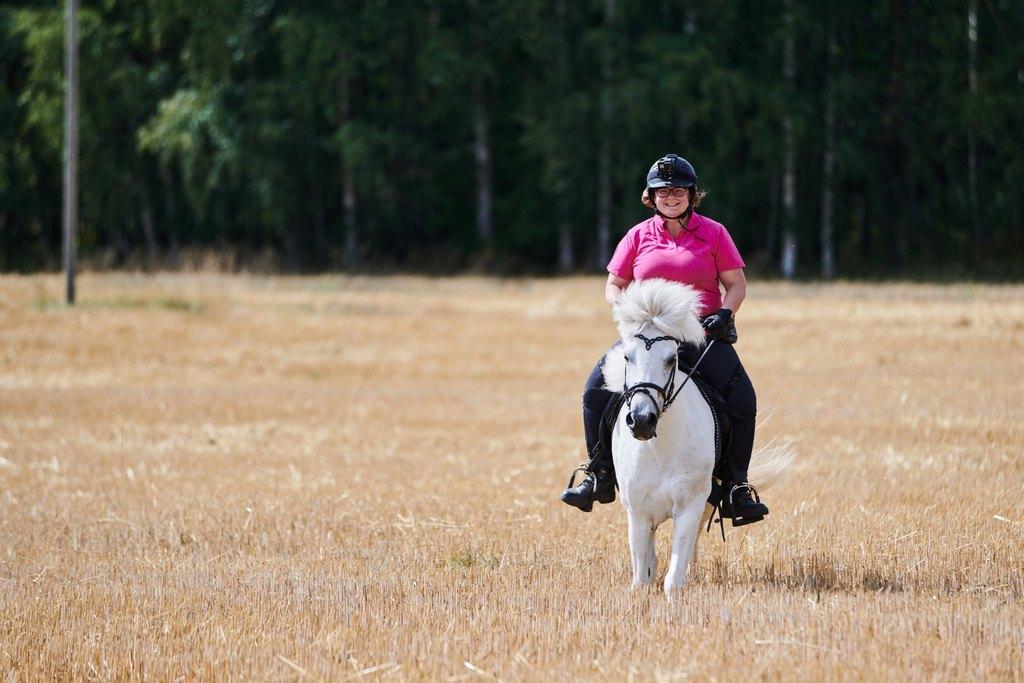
x,y
695,257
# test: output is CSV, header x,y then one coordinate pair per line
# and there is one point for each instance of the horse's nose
x,y
643,424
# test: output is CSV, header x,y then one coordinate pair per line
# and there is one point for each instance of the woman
x,y
680,245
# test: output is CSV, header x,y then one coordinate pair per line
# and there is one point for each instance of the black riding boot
x,y
599,484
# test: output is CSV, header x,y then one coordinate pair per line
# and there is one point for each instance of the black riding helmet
x,y
671,171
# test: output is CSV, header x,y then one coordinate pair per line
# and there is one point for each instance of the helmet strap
x,y
684,217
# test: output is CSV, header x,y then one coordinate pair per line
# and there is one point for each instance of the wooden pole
x,y
70,145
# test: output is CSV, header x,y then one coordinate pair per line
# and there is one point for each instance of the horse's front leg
x,y
641,547
685,528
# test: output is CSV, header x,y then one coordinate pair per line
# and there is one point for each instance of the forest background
x,y
835,138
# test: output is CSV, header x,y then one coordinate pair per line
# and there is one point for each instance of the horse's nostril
x,y
646,420
642,424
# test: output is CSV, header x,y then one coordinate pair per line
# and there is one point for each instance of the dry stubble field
x,y
208,476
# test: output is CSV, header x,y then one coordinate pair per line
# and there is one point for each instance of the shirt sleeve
x,y
727,256
621,264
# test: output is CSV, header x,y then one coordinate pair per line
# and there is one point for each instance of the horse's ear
x,y
614,369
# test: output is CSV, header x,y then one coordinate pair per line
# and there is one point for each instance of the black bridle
x,y
668,392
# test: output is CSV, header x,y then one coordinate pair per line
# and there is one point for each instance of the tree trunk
x,y
972,136
682,125
481,134
170,229
148,227
482,156
689,28
565,259
828,269
350,217
70,213
350,252
566,262
893,248
293,260
913,145
604,205
771,224
604,165
788,247
690,18
320,242
828,253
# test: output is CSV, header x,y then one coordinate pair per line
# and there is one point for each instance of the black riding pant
x,y
721,368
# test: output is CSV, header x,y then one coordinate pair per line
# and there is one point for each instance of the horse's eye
x,y
669,361
628,359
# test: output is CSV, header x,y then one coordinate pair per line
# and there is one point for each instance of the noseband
x,y
668,393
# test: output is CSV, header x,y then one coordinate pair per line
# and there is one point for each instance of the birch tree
x,y
828,269
604,193
481,129
788,247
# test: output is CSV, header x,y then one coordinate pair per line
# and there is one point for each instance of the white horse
x,y
667,476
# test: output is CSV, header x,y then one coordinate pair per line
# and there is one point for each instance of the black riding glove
x,y
718,324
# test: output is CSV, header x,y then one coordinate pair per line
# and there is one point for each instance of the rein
x,y
668,393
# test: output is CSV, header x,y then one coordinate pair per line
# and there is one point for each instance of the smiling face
x,y
653,365
672,201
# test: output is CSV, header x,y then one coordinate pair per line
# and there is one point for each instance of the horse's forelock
x,y
669,306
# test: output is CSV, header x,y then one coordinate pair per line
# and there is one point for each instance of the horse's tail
x,y
769,463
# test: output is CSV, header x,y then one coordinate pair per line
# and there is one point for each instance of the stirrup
x,y
585,467
745,485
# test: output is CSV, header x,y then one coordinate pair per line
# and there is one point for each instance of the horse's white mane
x,y
669,307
